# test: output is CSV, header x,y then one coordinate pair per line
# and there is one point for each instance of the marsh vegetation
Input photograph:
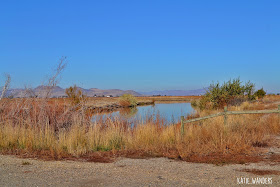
x,y
63,128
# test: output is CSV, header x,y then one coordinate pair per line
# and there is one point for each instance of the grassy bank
x,y
52,128
103,101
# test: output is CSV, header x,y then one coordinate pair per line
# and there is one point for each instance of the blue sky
x,y
141,45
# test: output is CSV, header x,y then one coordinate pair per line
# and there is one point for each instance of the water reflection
x,y
128,112
168,113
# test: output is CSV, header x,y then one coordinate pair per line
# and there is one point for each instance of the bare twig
x,y
53,80
29,92
6,86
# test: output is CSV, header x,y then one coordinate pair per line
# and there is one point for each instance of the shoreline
x,y
114,107
111,104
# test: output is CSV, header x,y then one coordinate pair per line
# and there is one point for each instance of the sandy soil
x,y
125,172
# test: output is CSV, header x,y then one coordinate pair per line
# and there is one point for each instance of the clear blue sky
x,y
141,45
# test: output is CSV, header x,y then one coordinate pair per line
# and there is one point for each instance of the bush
x,y
127,100
229,93
260,93
194,103
75,95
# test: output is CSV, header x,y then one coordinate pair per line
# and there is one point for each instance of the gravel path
x,y
124,172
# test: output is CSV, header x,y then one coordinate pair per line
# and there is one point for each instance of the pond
x,y
170,112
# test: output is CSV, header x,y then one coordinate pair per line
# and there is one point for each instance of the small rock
x,y
160,177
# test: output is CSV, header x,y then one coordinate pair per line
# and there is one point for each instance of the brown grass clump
x,y
124,103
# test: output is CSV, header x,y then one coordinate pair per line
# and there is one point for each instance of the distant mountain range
x,y
57,91
176,92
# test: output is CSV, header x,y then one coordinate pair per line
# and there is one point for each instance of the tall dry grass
x,y
51,125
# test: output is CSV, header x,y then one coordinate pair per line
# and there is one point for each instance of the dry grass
x,y
103,101
25,163
51,128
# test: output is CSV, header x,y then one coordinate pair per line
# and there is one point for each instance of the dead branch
x,y
6,86
53,80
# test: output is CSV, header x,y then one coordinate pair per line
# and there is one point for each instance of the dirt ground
x,y
130,172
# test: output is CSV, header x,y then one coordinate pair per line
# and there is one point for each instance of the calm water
x,y
171,112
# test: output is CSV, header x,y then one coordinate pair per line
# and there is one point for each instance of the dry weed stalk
x,y
6,86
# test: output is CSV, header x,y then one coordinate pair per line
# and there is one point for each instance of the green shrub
x,y
229,93
127,100
260,93
194,103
